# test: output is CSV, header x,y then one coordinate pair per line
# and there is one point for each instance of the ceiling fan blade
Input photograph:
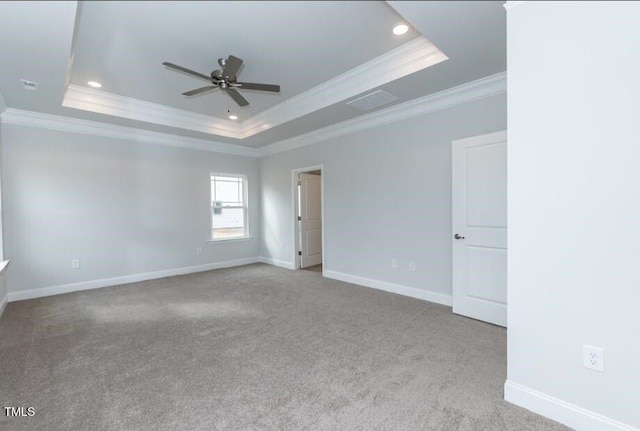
x,y
199,90
231,67
237,97
254,86
185,70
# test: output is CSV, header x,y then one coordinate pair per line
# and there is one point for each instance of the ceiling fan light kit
x,y
225,79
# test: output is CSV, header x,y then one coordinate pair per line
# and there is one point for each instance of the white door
x,y
479,234
310,220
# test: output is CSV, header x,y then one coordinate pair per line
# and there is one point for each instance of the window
x,y
228,207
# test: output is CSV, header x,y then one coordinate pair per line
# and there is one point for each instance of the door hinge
x,y
299,218
299,253
299,183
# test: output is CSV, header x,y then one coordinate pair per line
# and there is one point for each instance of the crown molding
x,y
95,128
408,58
404,60
465,93
513,4
89,99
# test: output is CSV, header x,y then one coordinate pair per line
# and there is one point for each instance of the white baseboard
x,y
3,281
232,263
3,303
276,262
427,295
560,411
114,281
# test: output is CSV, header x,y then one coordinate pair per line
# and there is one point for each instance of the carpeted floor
x,y
252,348
314,268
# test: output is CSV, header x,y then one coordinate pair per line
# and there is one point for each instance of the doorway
x,y
479,208
308,218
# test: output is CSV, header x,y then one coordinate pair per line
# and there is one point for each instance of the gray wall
x,y
126,208
120,207
3,277
1,223
387,194
574,210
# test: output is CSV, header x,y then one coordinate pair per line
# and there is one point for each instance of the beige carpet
x,y
314,268
252,348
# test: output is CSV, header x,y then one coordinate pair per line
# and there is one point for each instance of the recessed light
x,y
233,117
94,84
400,29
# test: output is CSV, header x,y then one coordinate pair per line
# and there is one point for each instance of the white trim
x,y
232,239
277,262
465,93
133,278
426,295
296,236
95,128
488,138
513,4
3,285
90,99
406,59
244,207
561,411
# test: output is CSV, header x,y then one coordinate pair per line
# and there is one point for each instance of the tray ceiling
x,y
322,54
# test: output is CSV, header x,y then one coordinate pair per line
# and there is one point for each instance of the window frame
x,y
244,207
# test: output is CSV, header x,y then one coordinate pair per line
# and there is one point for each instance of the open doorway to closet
x,y
308,220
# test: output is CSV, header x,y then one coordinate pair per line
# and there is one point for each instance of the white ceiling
x,y
295,44
323,54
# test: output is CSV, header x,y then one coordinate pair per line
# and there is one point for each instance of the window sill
x,y
244,238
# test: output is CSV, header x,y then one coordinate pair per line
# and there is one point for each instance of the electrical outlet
x,y
412,265
593,358
394,263
198,250
75,263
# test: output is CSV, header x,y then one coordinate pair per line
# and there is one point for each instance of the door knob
x,y
457,236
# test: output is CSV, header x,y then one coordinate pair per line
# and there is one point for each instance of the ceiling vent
x,y
29,85
372,100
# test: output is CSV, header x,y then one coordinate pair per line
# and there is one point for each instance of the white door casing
x,y
479,208
311,219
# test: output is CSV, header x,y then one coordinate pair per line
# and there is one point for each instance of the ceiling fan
x,y
225,79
